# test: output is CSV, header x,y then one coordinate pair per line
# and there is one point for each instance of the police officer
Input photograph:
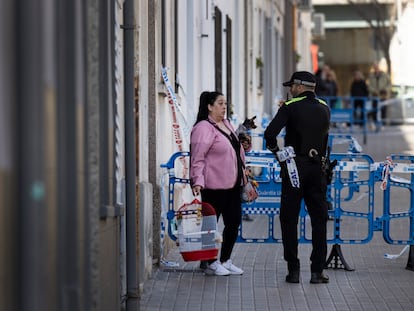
x,y
306,120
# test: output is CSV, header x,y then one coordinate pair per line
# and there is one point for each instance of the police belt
x,y
311,155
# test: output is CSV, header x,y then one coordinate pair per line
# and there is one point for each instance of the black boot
x,y
292,277
319,278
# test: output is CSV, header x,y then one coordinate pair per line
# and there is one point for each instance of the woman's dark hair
x,y
206,98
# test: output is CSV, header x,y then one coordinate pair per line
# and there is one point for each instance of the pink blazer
x,y
213,162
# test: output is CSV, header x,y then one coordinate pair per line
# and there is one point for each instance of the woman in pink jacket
x,y
216,169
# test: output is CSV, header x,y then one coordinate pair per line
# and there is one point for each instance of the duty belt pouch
x,y
328,166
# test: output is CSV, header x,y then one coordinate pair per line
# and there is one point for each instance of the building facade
x,y
85,124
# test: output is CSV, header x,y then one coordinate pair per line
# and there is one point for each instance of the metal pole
x,y
132,303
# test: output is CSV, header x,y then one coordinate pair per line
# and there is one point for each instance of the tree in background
x,y
382,19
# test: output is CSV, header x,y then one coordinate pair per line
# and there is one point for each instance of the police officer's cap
x,y
301,77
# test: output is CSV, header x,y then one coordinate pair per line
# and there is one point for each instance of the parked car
x,y
400,110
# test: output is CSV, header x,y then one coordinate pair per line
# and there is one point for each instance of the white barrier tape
x,y
407,168
170,90
287,154
399,179
293,173
172,101
167,263
261,161
258,164
352,166
402,168
343,166
394,256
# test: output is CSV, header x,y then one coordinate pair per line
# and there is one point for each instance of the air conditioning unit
x,y
318,25
304,4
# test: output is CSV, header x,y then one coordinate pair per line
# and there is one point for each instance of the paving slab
x,y
377,283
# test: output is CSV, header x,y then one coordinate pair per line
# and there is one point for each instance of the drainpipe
x,y
132,302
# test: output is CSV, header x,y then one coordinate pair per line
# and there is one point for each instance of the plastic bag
x,y
249,192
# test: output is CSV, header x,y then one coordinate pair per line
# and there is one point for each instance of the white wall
x,y
401,49
304,40
196,55
258,12
196,64
143,89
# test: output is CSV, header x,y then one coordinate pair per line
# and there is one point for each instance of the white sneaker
x,y
232,268
216,268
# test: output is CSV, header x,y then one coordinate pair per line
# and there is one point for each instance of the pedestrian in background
x,y
321,88
216,172
331,88
358,89
326,85
379,85
306,121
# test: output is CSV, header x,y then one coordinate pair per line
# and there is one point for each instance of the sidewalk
x,y
375,284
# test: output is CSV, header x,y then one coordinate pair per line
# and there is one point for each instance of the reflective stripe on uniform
x,y
322,101
296,99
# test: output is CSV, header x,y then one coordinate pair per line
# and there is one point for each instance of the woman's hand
x,y
196,190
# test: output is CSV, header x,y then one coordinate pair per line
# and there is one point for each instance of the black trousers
x,y
374,115
227,204
313,191
359,111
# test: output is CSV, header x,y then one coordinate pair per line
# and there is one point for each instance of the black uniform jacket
x,y
306,119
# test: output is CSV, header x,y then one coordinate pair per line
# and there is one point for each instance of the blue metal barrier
x,y
351,195
344,190
266,170
400,165
172,180
345,115
353,172
399,178
351,111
